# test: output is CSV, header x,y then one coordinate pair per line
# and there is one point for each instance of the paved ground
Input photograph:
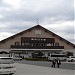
x,y
26,69
64,65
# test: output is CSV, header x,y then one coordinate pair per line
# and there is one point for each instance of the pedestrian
x,y
58,63
53,63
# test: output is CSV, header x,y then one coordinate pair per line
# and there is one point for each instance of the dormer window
x,y
17,43
56,44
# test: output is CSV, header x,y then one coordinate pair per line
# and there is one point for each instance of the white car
x,y
17,58
7,66
71,59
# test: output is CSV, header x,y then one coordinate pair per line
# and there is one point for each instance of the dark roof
x,y
38,26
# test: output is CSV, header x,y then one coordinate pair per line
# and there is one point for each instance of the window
x,y
49,44
17,43
44,39
52,44
56,44
32,39
37,31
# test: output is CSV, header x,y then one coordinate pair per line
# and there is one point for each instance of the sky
x,y
55,15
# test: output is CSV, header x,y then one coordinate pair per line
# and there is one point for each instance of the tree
x,y
69,53
37,54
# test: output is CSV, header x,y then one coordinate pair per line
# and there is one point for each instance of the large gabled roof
x,y
39,26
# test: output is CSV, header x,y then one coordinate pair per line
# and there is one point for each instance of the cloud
x,y
5,35
56,15
29,10
64,29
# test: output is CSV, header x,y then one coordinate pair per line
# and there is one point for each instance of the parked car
x,y
7,66
71,59
17,58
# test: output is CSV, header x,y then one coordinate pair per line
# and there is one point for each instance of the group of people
x,y
56,61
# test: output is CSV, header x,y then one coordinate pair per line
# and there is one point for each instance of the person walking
x,y
58,63
53,63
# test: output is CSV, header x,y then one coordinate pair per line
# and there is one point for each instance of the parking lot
x,y
29,69
64,65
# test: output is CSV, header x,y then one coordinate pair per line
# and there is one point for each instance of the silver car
x,y
7,66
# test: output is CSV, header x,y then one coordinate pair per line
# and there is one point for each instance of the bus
x,y
7,66
61,57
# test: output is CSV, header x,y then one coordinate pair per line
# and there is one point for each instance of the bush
x,y
35,59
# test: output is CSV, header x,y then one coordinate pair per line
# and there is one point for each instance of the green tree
x,y
69,53
37,54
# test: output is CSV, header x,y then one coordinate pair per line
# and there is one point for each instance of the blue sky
x,y
55,15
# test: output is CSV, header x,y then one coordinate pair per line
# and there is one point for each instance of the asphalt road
x,y
64,65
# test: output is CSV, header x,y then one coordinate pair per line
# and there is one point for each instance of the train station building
x,y
36,38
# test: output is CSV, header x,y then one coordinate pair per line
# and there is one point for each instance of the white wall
x,y
4,55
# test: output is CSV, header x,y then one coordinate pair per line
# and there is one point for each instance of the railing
x,y
36,47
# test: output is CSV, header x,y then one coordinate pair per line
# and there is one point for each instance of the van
x,y
61,57
7,66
